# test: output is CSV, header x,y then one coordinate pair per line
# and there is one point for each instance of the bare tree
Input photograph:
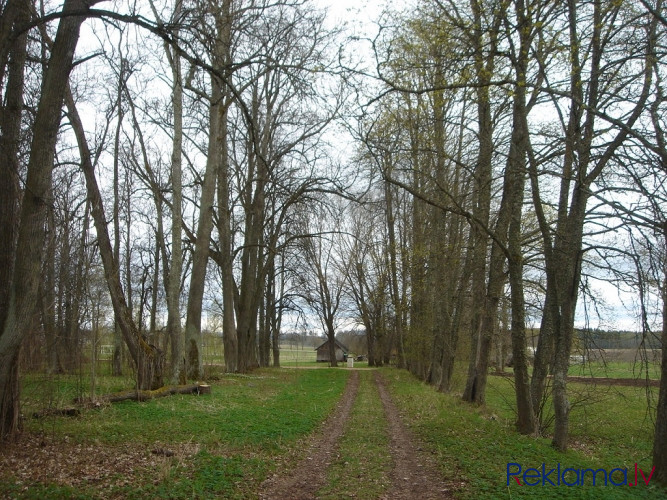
x,y
581,165
322,277
24,283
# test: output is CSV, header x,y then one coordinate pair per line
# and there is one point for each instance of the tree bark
x,y
204,227
396,297
148,359
485,53
515,181
117,355
173,284
660,436
26,275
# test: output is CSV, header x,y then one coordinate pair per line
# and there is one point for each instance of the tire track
x,y
310,474
415,474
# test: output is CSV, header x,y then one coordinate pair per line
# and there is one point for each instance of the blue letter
x,y
545,476
576,483
529,475
625,477
513,473
594,474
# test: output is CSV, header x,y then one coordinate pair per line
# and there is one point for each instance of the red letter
x,y
644,477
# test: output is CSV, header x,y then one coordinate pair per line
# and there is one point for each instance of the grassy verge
x,y
235,434
474,445
363,464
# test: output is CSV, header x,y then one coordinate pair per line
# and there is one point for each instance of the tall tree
x,y
26,275
219,102
322,278
148,359
13,53
174,269
582,164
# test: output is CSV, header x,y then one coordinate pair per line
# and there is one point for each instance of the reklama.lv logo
x,y
571,476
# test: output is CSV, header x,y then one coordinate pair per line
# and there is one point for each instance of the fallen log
x,y
142,395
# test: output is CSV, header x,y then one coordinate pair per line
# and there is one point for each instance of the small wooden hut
x,y
323,352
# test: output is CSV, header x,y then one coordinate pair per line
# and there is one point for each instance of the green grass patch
x,y
609,423
240,430
616,369
363,464
303,364
263,409
42,390
474,445
9,489
205,476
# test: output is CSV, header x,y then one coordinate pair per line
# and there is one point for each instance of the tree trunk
x,y
331,336
26,275
48,299
515,181
418,303
10,408
10,128
148,359
229,332
543,359
230,337
660,437
475,389
396,297
173,284
204,228
152,322
117,355
275,318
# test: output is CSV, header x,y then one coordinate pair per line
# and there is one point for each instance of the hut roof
x,y
336,342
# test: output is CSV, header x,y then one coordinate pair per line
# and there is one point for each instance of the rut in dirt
x,y
311,473
415,474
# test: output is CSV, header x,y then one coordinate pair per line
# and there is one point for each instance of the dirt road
x,y
414,474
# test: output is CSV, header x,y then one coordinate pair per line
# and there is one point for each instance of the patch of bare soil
x,y
35,459
415,474
310,474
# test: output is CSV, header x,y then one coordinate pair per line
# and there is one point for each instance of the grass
x,y
616,369
237,433
210,476
236,436
262,409
474,445
363,464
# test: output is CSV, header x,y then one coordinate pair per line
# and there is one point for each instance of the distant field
x,y
619,363
289,354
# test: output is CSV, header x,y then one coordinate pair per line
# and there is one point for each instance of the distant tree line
x,y
602,339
